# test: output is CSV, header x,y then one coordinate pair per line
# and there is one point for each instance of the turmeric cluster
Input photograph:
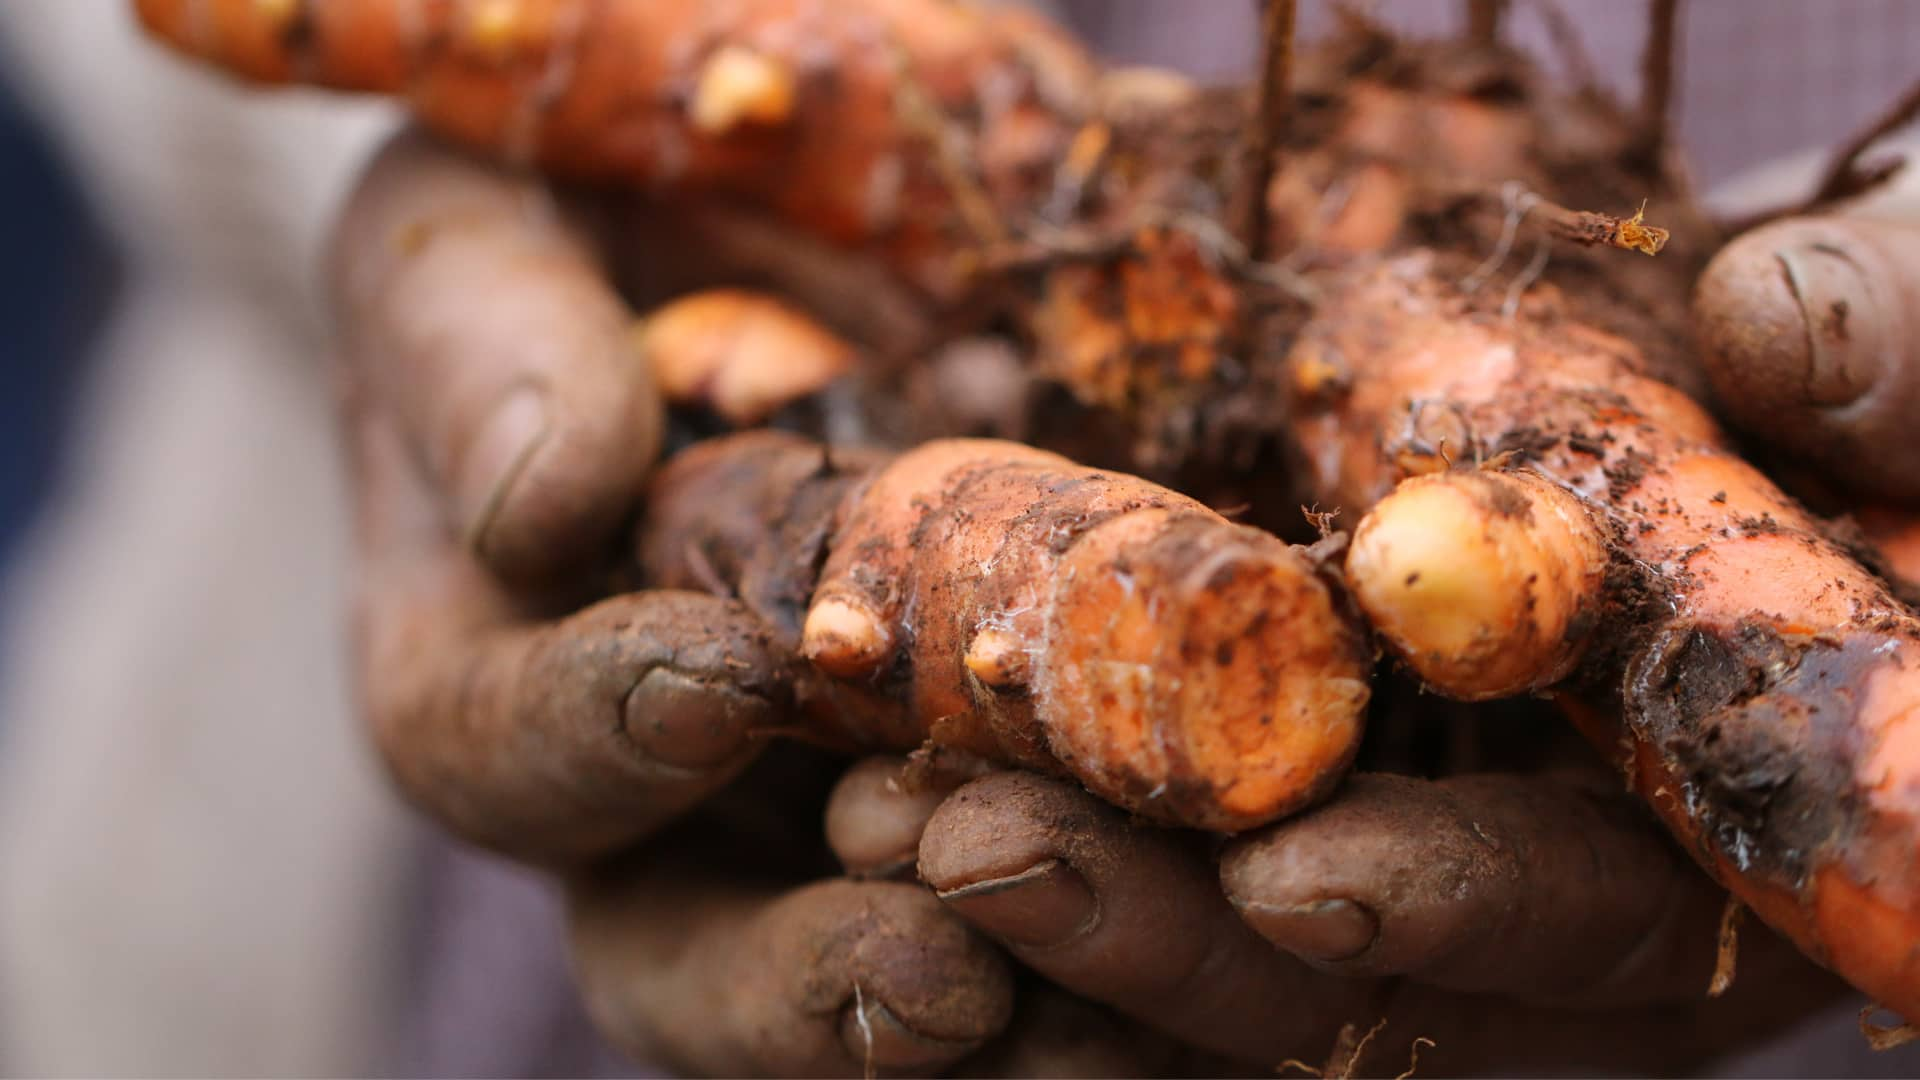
x,y
1493,408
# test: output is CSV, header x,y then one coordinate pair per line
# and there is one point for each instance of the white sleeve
x,y
199,863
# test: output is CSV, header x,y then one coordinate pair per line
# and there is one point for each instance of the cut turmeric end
x,y
1211,681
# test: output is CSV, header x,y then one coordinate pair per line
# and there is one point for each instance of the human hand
x,y
1808,330
502,423
1517,921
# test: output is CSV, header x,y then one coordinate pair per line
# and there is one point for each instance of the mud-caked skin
x,y
793,104
1421,317
1765,676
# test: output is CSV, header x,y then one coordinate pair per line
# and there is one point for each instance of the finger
x,y
835,978
878,811
1169,960
1058,1034
1130,916
472,312
1549,887
875,819
1809,330
547,740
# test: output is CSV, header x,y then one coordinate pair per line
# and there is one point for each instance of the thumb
x,y
483,324
1809,330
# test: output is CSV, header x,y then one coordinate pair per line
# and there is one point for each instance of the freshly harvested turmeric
x,y
798,106
739,353
1768,683
1487,583
1001,600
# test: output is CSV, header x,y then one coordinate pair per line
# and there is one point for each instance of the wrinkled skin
x,y
499,448
496,450
476,648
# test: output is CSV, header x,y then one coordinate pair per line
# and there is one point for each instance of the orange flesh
x,y
1734,553
1482,581
1187,668
602,91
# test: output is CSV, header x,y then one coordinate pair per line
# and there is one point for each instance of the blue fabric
x,y
56,277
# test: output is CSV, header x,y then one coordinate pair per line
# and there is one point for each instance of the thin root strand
x,y
1886,1036
1483,20
1269,128
1413,1057
1848,177
1729,950
1656,78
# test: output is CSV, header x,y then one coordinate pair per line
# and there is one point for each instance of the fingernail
x,y
493,460
1832,293
1044,906
1325,930
874,1036
679,720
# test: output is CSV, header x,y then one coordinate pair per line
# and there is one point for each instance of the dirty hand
x,y
502,425
1539,920
1809,327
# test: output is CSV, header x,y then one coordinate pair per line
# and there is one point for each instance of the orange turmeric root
x,y
1000,600
741,354
1486,583
841,117
1003,601
1895,533
1768,685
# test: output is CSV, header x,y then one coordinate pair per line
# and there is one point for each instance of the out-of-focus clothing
x,y
198,863
55,279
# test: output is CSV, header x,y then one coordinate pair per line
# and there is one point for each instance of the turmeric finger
x,y
1485,583
742,355
1003,601
837,116
531,409
731,979
1765,678
1810,332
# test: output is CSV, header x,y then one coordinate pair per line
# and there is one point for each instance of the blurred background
x,y
201,869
